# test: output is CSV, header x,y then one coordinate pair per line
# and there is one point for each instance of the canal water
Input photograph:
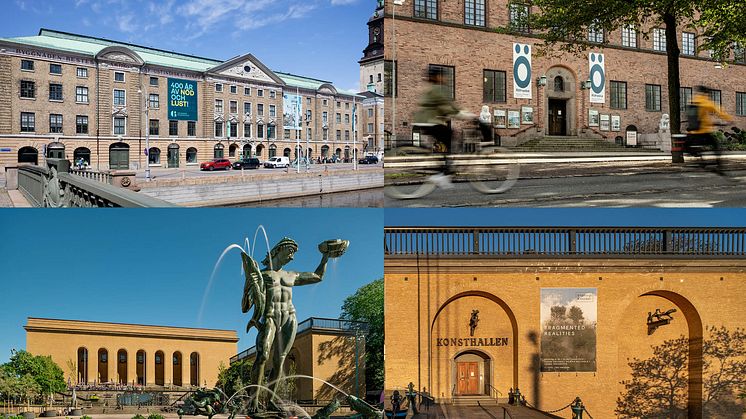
x,y
367,198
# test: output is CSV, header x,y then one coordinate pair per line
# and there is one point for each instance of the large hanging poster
x,y
598,77
291,111
182,100
522,71
568,329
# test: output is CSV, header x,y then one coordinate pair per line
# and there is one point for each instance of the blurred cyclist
x,y
435,110
701,129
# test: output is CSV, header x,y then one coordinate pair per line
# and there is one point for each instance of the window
x,y
55,69
218,129
379,77
247,130
218,106
247,108
119,98
685,98
247,91
659,39
260,131
618,95
55,91
740,104
715,97
119,76
27,65
652,97
339,135
326,135
347,118
687,43
308,101
347,106
218,87
28,89
494,86
325,102
347,135
371,79
173,127
191,154
82,72
519,17
272,94
629,36
447,76
154,155
370,128
119,126
308,115
55,123
260,92
427,9
271,132
154,101
272,111
370,112
233,106
739,53
339,118
339,105
233,129
153,127
81,124
595,33
81,94
154,81
260,109
559,84
191,128
234,89
473,14
325,117
388,79
28,121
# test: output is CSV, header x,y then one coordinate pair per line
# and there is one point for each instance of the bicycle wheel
x,y
401,181
494,172
409,191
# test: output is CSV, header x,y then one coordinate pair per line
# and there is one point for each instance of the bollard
x,y
577,408
517,397
677,148
511,398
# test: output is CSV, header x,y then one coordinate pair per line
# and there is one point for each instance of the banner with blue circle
x,y
597,76
182,100
522,80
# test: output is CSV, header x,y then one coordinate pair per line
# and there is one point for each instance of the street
x,y
609,184
193,171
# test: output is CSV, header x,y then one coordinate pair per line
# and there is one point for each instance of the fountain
x,y
268,291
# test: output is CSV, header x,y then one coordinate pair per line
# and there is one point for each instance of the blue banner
x,y
182,100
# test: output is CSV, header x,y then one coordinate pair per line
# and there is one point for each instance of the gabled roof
x,y
241,59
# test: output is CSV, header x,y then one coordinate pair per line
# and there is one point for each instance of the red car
x,y
216,164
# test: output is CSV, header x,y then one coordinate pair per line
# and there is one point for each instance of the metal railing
x,y
562,242
494,392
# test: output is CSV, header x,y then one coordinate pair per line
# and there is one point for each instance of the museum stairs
x,y
489,411
572,144
480,400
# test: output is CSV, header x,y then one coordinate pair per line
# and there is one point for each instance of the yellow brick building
x,y
96,352
622,280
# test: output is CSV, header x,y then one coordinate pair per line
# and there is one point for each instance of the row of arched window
x,y
141,368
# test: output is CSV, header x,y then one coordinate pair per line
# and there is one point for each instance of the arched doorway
x,y
286,152
103,365
119,156
472,373
154,155
141,369
55,150
28,155
246,150
272,150
122,366
82,365
218,151
82,153
194,369
159,367
177,368
309,153
232,150
324,151
347,154
191,155
561,111
259,150
173,155
338,153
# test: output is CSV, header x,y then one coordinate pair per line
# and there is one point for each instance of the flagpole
x,y
297,134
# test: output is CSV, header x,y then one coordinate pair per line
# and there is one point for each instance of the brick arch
x,y
495,299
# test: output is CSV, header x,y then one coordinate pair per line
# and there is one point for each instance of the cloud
x,y
127,23
342,2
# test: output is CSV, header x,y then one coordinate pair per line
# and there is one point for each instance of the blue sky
x,y
153,266
316,38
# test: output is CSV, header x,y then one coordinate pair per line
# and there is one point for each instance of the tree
x,y
659,385
35,375
576,315
558,312
366,305
232,379
565,23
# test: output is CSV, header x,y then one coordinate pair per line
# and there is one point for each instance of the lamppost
x,y
354,134
147,134
308,157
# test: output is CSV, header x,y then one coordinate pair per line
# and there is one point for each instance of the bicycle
x,y
488,168
696,146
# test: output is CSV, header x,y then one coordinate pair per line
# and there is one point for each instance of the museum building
x,y
83,97
97,352
617,91
474,313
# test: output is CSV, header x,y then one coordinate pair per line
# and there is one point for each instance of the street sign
x,y
4,150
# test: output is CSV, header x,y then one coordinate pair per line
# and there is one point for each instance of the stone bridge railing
x,y
56,186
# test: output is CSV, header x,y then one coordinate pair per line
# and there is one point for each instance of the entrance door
x,y
119,156
468,378
557,117
173,155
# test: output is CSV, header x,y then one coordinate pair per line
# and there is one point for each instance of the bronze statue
x,y
206,402
270,292
473,321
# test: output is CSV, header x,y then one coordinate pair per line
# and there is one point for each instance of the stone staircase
x,y
571,144
474,401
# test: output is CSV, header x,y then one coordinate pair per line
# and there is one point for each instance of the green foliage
x,y
138,416
235,377
367,305
155,416
85,417
26,377
581,344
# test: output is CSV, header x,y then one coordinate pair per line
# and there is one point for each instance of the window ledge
x,y
56,100
26,98
83,103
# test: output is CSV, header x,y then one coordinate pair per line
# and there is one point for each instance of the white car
x,y
277,161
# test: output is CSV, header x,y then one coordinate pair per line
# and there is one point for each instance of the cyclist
x,y
701,128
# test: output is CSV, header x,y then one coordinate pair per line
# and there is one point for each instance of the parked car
x,y
247,163
215,164
368,160
277,161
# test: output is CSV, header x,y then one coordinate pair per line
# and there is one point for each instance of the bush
x,y
155,416
85,417
138,416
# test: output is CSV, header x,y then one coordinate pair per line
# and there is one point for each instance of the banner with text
x,y
598,77
568,329
522,82
182,100
291,111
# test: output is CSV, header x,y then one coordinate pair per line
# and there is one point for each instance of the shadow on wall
x,y
658,386
342,349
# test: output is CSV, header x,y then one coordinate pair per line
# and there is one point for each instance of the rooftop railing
x,y
563,242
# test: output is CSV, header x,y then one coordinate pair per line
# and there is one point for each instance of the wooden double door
x,y
467,374
557,117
